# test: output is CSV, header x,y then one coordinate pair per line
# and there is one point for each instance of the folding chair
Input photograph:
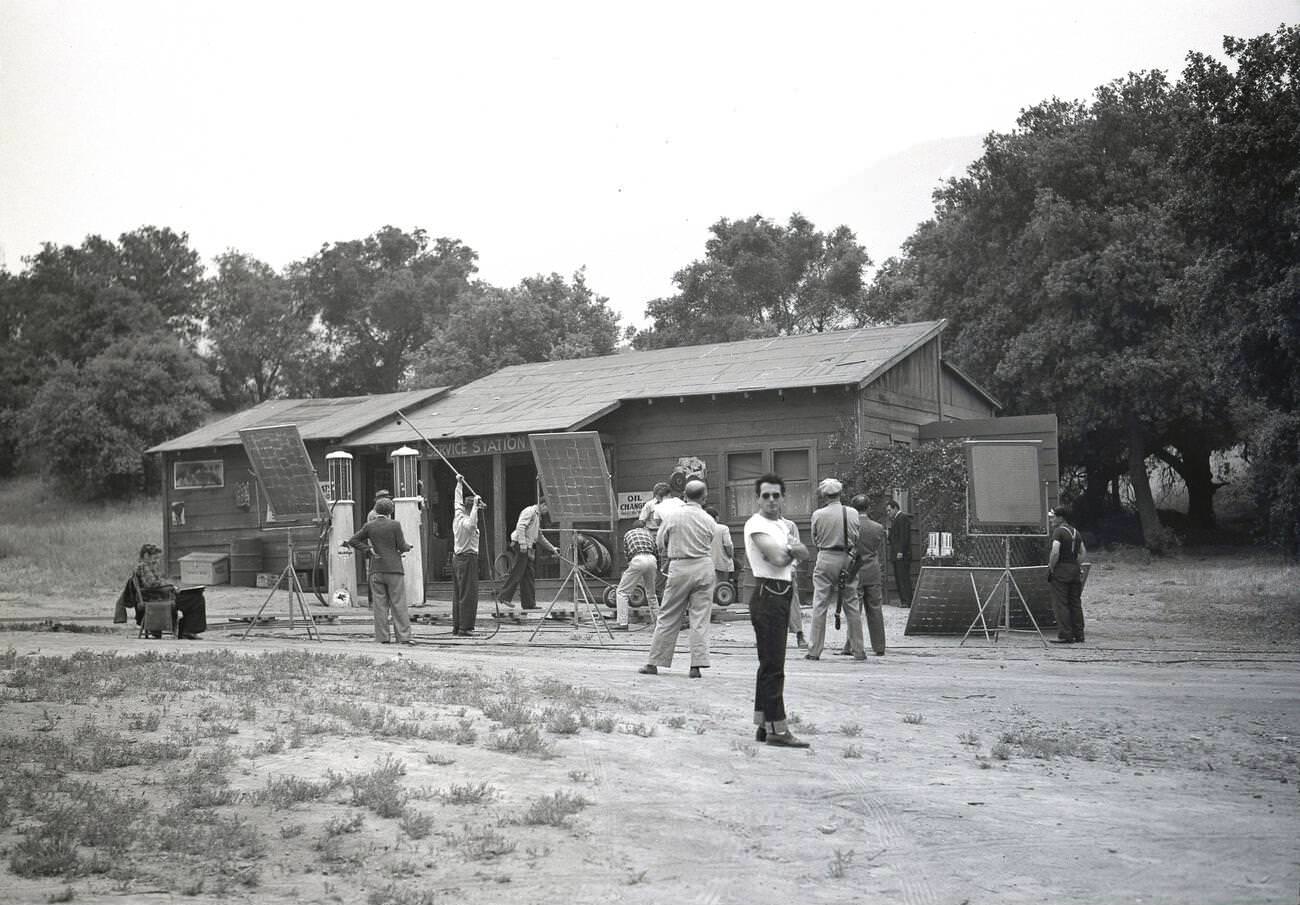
x,y
159,615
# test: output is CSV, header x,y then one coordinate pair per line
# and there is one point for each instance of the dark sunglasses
x,y
771,496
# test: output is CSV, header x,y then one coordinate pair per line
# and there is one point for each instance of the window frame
x,y
767,454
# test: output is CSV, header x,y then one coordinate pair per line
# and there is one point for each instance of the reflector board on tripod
x,y
1006,493
285,472
945,604
574,475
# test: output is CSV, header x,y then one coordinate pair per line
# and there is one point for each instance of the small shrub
x,y
839,864
914,719
468,794
969,738
342,826
554,809
851,730
853,752
415,824
676,722
525,740
561,721
1001,750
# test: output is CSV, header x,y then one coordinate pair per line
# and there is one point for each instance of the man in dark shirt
x,y
865,565
900,551
385,543
1065,573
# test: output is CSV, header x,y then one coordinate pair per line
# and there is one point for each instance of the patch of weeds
x,y
839,864
482,843
273,745
399,894
637,729
554,809
343,826
604,724
914,719
287,791
465,733
66,894
471,793
48,850
562,721
248,711
851,730
378,789
637,878
524,740
969,738
676,722
291,830
853,752
1046,745
1001,751
416,824
510,714
144,722
439,760
745,749
579,776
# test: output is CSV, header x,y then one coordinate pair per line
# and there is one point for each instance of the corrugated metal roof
x,y
565,395
317,419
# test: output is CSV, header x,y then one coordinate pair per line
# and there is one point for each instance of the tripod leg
x,y
1025,604
262,608
550,606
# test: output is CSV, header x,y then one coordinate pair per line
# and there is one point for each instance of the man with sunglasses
x,y
772,552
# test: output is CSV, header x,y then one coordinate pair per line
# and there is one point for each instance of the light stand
x,y
296,594
581,595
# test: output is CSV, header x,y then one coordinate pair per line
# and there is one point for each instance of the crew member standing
x,y
865,566
686,540
900,551
1065,573
642,571
649,518
835,534
384,540
464,563
524,541
772,554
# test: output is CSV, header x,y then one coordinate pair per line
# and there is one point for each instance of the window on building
x,y
795,466
743,469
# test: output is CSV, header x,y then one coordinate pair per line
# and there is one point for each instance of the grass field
x,y
52,545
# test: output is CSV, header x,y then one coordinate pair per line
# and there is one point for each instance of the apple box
x,y
205,568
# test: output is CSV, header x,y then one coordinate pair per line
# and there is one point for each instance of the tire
x,y
611,597
501,566
637,597
724,594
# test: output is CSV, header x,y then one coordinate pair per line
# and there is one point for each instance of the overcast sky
x,y
547,136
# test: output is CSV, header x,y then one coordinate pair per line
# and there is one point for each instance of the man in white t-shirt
x,y
772,552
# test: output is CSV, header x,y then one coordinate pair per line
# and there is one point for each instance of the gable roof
x,y
567,395
317,419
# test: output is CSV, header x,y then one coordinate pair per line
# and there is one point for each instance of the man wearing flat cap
x,y
835,530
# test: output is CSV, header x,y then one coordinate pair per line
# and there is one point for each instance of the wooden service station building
x,y
783,404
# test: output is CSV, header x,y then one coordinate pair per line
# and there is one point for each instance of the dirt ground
x,y
1156,763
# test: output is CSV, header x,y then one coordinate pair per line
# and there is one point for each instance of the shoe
x,y
156,636
786,740
695,672
189,637
1061,641
760,734
863,657
1078,640
385,642
847,652
649,670
410,643
620,628
811,657
533,607
879,653
800,640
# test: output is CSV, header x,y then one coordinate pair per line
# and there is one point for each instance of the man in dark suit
x,y
900,551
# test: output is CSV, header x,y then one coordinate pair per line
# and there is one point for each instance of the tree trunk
x,y
1153,534
1193,466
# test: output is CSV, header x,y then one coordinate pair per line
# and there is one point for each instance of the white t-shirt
x,y
782,532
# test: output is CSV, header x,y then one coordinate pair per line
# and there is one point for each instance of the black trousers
x,y
521,577
769,613
1067,601
464,604
903,581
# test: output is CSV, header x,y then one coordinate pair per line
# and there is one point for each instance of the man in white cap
x,y
835,532
685,541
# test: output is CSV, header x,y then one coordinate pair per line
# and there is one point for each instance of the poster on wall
x,y
199,475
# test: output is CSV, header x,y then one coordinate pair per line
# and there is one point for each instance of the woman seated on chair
x,y
188,605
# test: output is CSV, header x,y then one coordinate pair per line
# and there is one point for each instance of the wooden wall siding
x,y
960,401
915,378
649,438
214,521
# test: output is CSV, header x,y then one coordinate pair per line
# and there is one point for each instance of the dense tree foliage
x,y
379,300
1084,263
758,278
89,423
259,336
544,318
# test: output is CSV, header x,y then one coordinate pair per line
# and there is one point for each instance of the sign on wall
x,y
630,502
